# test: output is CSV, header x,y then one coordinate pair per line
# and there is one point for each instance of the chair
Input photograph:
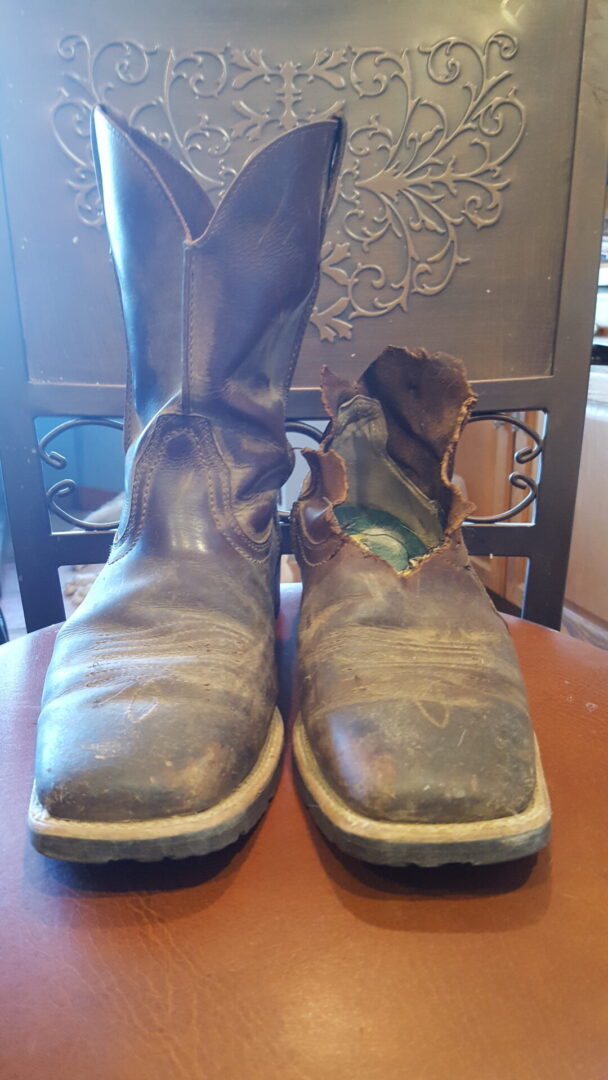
x,y
280,958
516,249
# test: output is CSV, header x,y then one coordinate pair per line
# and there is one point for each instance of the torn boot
x,y
159,734
414,742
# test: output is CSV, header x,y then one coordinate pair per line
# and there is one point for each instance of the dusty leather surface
x,y
412,697
162,685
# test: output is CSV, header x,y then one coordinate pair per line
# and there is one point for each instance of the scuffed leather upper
x,y
162,685
412,698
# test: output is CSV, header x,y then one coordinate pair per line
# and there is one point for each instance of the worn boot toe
x,y
422,761
171,758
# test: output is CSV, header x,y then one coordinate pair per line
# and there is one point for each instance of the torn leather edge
x,y
328,478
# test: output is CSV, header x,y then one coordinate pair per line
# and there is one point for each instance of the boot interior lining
x,y
382,534
385,511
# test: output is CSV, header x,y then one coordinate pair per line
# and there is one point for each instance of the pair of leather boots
x,y
159,733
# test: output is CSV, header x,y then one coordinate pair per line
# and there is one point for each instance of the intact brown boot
x,y
159,733
414,742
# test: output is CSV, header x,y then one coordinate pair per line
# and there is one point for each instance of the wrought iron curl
x,y
300,427
66,487
522,457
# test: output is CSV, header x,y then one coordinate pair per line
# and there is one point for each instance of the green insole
x,y
382,534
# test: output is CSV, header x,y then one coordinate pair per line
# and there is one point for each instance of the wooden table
x,y
282,960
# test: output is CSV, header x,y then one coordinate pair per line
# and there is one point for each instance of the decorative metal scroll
x,y
431,129
66,487
300,427
522,456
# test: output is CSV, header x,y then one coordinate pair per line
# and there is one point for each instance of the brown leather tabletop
x,y
282,959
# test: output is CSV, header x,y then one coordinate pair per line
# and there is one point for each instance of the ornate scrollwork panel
x,y
432,128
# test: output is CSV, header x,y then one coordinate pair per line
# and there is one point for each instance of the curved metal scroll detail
x,y
300,427
522,457
431,130
66,487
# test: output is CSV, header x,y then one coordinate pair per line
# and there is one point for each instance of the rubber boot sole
x,y
176,837
396,844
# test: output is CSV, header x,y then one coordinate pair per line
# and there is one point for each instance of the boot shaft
x,y
215,302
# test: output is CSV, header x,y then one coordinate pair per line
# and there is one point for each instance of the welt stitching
x,y
241,537
218,521
134,496
227,493
300,534
305,533
128,537
303,555
151,456
248,542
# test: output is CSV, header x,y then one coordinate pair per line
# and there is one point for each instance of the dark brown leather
x,y
281,959
412,699
423,399
162,686
163,681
